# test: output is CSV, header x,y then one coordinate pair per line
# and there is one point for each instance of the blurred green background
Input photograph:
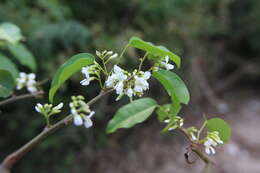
x,y
220,38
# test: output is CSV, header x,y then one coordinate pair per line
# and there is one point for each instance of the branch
x,y
11,159
194,148
20,97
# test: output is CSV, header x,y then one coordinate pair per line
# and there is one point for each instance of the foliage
x,y
55,30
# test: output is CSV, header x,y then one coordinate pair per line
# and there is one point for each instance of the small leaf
x,y
8,65
23,55
218,124
73,65
131,114
10,33
155,50
7,83
174,85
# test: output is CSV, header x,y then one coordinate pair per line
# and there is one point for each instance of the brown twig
x,y
20,97
194,148
11,159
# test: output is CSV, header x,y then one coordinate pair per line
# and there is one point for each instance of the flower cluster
x,y
177,122
165,64
211,141
109,55
81,112
48,110
87,71
28,81
128,84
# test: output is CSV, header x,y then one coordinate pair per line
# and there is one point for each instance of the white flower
x,y
113,56
116,80
209,146
38,107
193,137
109,52
141,83
129,92
47,109
119,87
58,107
166,63
87,121
81,112
27,80
77,120
86,72
212,141
167,121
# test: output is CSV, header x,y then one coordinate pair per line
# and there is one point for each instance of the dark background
x,y
219,42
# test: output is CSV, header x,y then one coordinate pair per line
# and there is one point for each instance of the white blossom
x,y
77,120
193,137
86,72
38,107
81,112
116,80
212,141
209,146
113,56
28,81
166,63
87,120
129,92
58,107
141,83
48,109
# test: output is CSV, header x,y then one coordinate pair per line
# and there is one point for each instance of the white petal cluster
x,y
141,83
166,63
48,109
128,84
177,122
81,113
28,81
87,71
116,79
212,140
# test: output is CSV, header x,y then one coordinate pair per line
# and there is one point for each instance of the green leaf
x,y
74,64
155,50
131,114
7,83
8,65
23,55
174,85
10,33
218,124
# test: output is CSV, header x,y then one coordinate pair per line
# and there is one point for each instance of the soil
x,y
149,151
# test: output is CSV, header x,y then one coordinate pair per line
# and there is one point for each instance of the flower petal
x,y
77,120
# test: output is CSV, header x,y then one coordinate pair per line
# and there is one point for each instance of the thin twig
x,y
11,159
194,148
20,97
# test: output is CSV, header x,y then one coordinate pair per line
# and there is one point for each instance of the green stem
x,y
122,53
201,129
142,61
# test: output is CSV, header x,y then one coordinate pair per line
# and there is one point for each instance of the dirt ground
x,y
151,152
